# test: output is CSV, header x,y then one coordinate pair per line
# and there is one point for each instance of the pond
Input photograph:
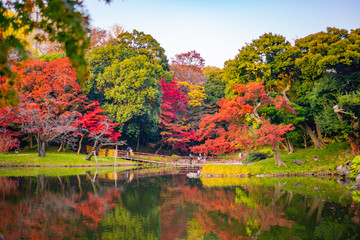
x,y
166,204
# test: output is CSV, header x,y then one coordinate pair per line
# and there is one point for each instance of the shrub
x,y
255,157
355,166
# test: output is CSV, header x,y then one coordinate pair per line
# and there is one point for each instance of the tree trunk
x,y
319,134
161,146
79,149
354,145
43,148
31,141
61,146
277,193
314,138
79,182
289,146
138,142
352,140
92,150
38,140
305,142
277,157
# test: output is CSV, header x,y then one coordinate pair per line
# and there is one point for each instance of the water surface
x,y
166,204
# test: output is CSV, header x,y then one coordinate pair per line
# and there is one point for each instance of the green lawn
x,y
58,171
330,157
55,158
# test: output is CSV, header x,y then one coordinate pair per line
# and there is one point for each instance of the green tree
x,y
214,86
266,59
330,71
100,58
133,95
144,44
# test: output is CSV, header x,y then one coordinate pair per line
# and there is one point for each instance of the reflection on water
x,y
137,204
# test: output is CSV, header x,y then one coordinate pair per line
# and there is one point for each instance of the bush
x,y
355,166
255,157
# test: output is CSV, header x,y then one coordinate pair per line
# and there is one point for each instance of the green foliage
x,y
255,157
133,94
119,219
50,57
100,58
242,197
264,59
214,86
144,44
356,196
355,166
330,156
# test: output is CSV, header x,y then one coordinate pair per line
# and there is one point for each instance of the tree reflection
x,y
172,207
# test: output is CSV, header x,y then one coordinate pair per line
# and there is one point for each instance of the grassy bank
x,y
54,158
314,187
330,157
56,171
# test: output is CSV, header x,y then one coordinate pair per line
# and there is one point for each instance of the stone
x,y
298,185
298,162
343,182
356,186
344,172
316,159
340,168
357,179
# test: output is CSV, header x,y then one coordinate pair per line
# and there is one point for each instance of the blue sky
x,y
217,29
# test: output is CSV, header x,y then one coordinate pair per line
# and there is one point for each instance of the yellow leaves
x,y
194,229
21,34
195,93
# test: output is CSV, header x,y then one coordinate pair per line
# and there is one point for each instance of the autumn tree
x,y
8,137
238,124
188,67
101,37
97,126
173,106
65,22
50,99
271,58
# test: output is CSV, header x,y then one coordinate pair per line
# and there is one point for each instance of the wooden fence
x,y
167,160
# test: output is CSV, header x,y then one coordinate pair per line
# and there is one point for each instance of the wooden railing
x,y
164,159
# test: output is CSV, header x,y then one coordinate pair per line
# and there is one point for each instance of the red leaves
x,y
188,67
238,125
97,123
50,97
173,105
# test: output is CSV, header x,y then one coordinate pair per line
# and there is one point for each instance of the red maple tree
x,y
172,108
238,125
8,138
97,125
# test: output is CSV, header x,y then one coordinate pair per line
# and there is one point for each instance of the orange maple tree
x,y
238,124
50,99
